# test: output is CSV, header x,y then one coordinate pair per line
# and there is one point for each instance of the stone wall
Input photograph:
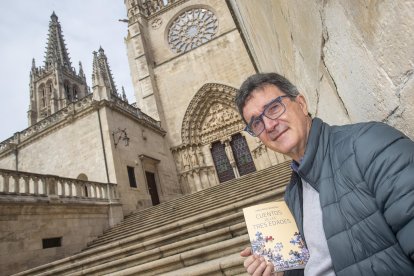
x,y
24,225
81,144
143,141
354,61
69,151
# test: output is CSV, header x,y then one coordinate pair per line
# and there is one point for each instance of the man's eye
x,y
273,109
256,123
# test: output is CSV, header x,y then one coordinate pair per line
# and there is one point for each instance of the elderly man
x,y
351,190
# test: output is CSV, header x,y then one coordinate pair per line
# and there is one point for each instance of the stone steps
x,y
139,254
187,206
191,242
188,259
228,265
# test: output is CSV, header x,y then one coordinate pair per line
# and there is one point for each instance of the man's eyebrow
x,y
261,112
252,119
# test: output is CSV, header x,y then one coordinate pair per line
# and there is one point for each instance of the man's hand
x,y
257,266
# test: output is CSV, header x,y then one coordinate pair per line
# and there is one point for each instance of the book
x,y
274,235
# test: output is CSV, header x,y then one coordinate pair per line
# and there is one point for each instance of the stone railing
x,y
19,184
150,7
136,112
49,121
41,72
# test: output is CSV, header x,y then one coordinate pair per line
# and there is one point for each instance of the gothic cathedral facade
x,y
187,58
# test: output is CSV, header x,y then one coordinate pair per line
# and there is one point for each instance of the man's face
x,y
287,134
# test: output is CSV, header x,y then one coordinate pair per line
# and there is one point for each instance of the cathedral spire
x,y
102,76
55,85
56,52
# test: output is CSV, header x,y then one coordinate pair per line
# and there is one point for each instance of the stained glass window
x,y
192,29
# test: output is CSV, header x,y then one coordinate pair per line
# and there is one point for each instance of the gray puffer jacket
x,y
365,177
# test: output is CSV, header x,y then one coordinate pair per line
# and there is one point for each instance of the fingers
x,y
256,265
246,252
269,270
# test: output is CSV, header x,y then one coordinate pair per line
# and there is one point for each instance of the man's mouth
x,y
277,133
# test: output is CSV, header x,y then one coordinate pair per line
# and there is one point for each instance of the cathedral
x,y
183,134
94,157
183,127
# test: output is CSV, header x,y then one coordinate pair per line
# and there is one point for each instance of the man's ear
x,y
300,99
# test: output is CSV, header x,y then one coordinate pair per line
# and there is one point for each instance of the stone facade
x,y
88,141
82,144
353,61
187,58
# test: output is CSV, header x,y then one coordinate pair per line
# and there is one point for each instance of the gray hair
x,y
259,81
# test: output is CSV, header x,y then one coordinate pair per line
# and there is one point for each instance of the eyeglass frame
x,y
260,117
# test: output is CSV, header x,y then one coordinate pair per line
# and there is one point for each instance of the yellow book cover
x,y
274,235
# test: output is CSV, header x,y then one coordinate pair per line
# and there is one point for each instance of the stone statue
x,y
186,160
229,152
200,157
194,160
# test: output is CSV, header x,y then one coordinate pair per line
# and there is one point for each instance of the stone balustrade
x,y
47,122
18,184
136,112
149,7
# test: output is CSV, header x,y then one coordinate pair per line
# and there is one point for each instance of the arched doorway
x,y
210,123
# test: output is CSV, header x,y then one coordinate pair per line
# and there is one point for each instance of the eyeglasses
x,y
273,110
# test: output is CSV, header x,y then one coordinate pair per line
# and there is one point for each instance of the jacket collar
x,y
310,167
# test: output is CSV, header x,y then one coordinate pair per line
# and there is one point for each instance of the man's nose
x,y
270,123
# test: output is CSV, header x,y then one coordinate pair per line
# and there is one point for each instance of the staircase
x,y
197,234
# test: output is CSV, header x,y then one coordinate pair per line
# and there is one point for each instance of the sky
x,y
86,25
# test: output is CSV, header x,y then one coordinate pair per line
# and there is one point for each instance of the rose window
x,y
192,29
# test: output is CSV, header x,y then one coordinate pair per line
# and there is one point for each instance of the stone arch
x,y
66,89
49,87
75,92
211,115
83,177
42,96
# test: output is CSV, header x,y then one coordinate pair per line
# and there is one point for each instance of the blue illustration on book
x,y
295,259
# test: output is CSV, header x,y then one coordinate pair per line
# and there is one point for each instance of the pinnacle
x,y
54,16
56,48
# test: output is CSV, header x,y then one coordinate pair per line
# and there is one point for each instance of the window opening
x,y
67,92
43,97
52,242
131,176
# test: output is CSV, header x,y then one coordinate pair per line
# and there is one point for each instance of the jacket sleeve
x,y
385,158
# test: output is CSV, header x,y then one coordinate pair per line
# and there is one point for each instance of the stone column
x,y
230,156
197,181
